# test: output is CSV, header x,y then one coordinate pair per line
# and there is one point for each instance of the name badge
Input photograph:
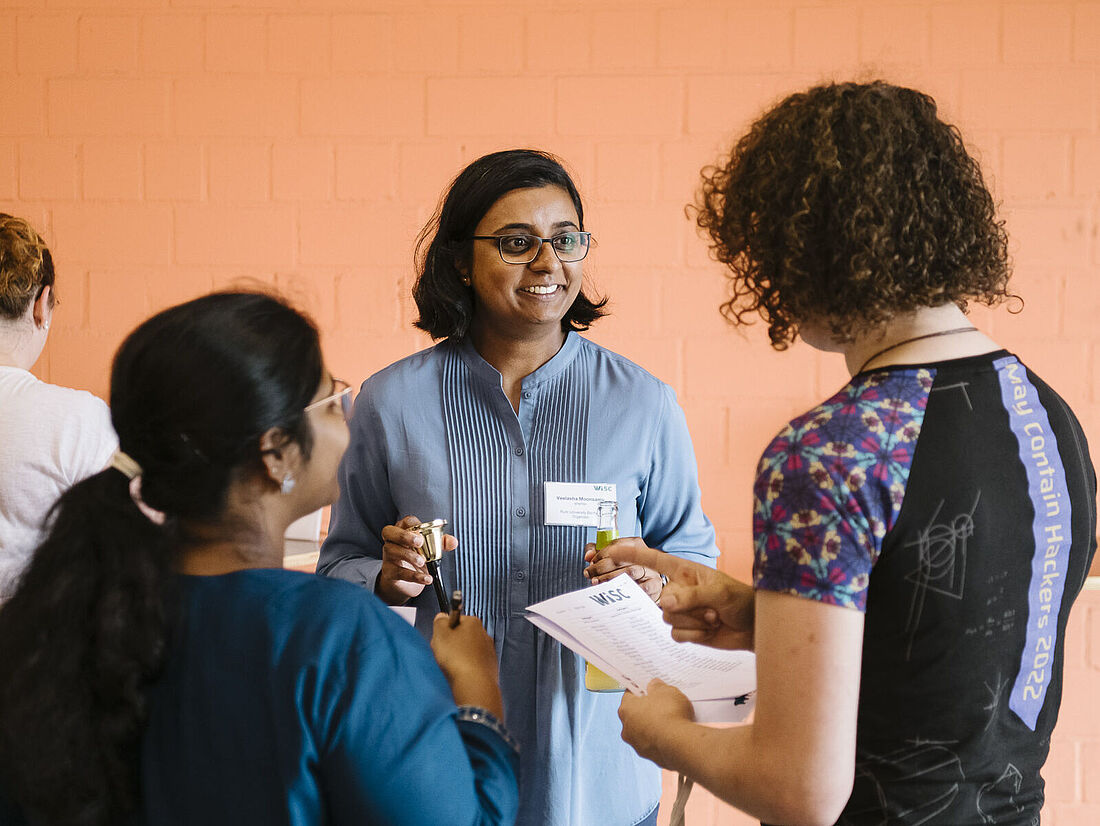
x,y
575,503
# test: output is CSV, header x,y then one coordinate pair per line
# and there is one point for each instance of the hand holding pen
x,y
467,657
456,608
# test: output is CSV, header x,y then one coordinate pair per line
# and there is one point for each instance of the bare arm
x,y
795,764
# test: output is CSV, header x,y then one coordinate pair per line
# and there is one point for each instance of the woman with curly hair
x,y
159,665
50,437
921,535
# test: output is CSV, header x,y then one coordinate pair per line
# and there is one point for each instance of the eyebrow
x,y
529,228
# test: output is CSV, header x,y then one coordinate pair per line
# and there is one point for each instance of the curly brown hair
x,y
26,267
847,205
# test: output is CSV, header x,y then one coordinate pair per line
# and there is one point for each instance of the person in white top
x,y
50,437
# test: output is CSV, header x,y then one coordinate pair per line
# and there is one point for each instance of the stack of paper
x,y
619,629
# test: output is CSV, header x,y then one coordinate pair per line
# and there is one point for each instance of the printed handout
x,y
619,629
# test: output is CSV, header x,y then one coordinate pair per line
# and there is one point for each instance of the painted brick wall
x,y
166,147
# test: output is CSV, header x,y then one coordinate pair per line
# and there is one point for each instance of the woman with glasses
x,y
159,665
922,534
492,429
50,436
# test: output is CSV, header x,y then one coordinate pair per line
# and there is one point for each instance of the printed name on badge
x,y
576,503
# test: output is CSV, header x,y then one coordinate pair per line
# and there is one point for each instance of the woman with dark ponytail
x,y
158,664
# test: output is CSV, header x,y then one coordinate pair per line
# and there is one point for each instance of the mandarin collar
x,y
570,349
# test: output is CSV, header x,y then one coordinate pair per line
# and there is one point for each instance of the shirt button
x,y
521,511
520,576
526,394
519,451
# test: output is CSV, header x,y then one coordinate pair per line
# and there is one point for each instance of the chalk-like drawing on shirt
x,y
941,563
1006,786
915,759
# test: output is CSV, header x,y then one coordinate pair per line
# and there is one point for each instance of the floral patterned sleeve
x,y
831,484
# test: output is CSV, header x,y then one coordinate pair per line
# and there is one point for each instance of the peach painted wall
x,y
167,147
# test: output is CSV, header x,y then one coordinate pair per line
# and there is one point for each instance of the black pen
x,y
456,608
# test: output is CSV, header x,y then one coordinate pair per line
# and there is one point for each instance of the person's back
x,y
50,437
295,699
979,476
920,536
968,602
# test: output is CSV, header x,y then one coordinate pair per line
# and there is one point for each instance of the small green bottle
x,y
607,531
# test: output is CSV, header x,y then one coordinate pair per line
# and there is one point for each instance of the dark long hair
x,y
192,391
850,204
446,305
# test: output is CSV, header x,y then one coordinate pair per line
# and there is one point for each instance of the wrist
x,y
480,695
485,717
673,742
387,593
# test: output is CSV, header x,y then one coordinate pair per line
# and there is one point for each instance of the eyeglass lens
x,y
523,249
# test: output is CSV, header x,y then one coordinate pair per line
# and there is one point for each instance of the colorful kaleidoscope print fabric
x,y
830,487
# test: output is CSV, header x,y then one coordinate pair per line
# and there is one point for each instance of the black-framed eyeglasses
x,y
341,394
522,248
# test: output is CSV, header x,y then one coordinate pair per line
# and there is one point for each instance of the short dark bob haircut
x,y
847,205
446,305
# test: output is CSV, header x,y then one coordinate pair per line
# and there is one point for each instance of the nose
x,y
546,260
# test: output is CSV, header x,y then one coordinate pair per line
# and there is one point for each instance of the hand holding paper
x,y
647,720
701,604
616,626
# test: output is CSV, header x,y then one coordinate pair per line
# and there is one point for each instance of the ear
x,y
281,456
43,307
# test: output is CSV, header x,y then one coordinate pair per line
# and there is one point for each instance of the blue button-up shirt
x,y
434,435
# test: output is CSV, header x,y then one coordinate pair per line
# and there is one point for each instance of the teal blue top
x,y
435,436
294,699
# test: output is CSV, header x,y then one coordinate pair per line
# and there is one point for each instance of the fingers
x,y
633,550
403,534
606,569
468,625
403,557
698,636
712,594
395,572
699,620
652,585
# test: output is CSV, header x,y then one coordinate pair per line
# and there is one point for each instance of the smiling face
x,y
524,301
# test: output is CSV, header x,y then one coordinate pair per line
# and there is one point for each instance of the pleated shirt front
x,y
435,436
